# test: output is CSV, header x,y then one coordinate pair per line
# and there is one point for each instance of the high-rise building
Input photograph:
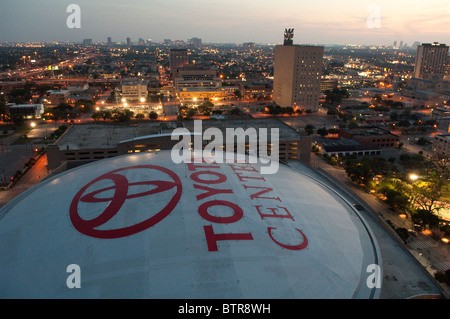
x,y
87,42
128,42
108,41
177,59
195,43
297,74
431,59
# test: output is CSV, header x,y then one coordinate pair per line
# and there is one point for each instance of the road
x,y
431,254
32,177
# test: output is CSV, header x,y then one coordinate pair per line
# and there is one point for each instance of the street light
x,y
33,124
413,177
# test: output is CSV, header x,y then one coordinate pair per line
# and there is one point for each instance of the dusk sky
x,y
230,21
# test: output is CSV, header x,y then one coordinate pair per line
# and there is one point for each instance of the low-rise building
x,y
28,111
441,144
194,84
133,91
255,90
370,136
86,143
56,97
346,148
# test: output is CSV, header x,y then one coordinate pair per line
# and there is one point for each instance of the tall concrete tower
x,y
297,74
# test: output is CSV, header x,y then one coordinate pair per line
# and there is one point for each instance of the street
x,y
32,177
431,254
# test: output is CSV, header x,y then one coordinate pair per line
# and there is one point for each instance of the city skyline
x,y
327,22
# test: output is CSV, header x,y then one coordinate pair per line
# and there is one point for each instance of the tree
x,y
153,115
396,198
122,115
322,131
425,218
106,115
363,170
433,187
85,105
336,95
96,116
205,108
309,129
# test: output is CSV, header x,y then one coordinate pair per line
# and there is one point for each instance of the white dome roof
x,y
140,226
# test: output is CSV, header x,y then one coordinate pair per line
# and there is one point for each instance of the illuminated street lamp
x,y
413,177
33,124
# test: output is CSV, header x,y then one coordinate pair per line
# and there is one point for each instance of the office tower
x,y
128,42
297,74
177,58
108,41
87,42
195,43
431,61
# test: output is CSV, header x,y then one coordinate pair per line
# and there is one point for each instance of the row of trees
x,y
121,115
323,131
422,197
206,108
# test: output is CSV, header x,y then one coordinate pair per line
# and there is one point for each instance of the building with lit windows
x,y
85,143
28,111
297,76
177,59
255,90
431,61
133,91
196,85
56,97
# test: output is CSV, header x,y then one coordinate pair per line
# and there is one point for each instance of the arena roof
x,y
140,226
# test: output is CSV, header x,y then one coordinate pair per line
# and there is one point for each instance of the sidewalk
x,y
33,176
429,253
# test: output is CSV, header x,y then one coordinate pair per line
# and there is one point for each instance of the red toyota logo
x,y
121,194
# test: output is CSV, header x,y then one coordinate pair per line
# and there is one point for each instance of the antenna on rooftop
x,y
288,36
